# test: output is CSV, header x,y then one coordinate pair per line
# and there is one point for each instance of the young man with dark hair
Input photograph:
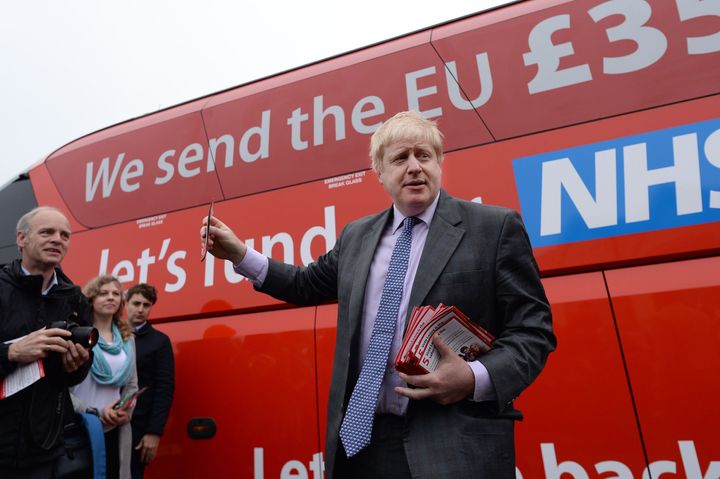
x,y
156,372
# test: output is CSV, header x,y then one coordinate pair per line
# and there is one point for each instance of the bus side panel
x,y
154,164
667,315
254,375
165,250
325,329
47,194
325,120
626,189
570,63
581,399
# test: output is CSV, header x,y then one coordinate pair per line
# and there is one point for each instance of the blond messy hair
x,y
403,126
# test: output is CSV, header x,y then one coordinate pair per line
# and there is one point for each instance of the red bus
x,y
596,119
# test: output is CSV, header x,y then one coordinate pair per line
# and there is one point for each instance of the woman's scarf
x,y
100,369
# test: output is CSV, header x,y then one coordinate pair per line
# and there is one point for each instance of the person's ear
x,y
20,238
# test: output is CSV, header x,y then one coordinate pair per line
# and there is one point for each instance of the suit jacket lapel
x,y
366,252
442,240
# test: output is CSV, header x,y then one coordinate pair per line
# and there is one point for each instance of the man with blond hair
x,y
34,292
427,248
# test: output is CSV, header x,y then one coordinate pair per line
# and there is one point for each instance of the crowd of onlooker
x,y
87,380
132,363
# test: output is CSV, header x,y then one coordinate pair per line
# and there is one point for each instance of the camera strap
x,y
97,443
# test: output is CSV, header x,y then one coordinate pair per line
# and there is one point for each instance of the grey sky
x,y
68,68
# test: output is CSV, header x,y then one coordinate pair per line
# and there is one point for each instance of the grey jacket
x,y
476,257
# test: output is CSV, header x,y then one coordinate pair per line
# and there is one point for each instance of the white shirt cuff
x,y
484,389
254,266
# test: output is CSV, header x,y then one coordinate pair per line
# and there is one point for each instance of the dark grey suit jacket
x,y
477,258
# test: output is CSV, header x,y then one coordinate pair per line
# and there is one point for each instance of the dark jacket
x,y
31,420
156,372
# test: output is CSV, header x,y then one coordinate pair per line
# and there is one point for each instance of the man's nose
x,y
413,163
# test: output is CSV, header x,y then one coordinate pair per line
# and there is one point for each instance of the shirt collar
x,y
139,327
426,216
52,283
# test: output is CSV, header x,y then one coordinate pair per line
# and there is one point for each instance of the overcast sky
x,y
68,68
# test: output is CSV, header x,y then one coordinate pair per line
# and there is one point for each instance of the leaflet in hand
x,y
418,354
128,400
23,376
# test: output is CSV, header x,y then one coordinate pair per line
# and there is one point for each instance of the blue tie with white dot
x,y
356,428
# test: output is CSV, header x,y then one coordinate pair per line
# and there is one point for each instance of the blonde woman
x,y
113,374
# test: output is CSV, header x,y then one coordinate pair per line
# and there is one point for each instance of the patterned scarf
x,y
100,369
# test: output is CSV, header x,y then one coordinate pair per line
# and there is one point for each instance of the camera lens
x,y
86,336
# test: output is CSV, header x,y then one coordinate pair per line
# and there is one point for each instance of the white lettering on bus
x,y
553,469
229,142
712,153
328,232
194,152
486,84
166,166
546,55
359,113
262,132
650,42
414,92
191,154
133,169
689,9
270,244
292,469
319,115
125,270
602,210
422,94
561,174
570,469
294,122
685,174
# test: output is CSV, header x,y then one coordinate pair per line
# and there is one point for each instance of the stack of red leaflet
x,y
418,354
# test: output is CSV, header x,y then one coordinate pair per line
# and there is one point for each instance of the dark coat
x,y
156,371
31,420
476,257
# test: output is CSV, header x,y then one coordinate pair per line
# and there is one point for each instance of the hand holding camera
x,y
38,344
63,337
85,336
80,341
75,357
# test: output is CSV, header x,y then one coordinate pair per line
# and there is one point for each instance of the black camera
x,y
85,336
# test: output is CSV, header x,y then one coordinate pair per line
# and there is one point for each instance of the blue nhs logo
x,y
658,180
